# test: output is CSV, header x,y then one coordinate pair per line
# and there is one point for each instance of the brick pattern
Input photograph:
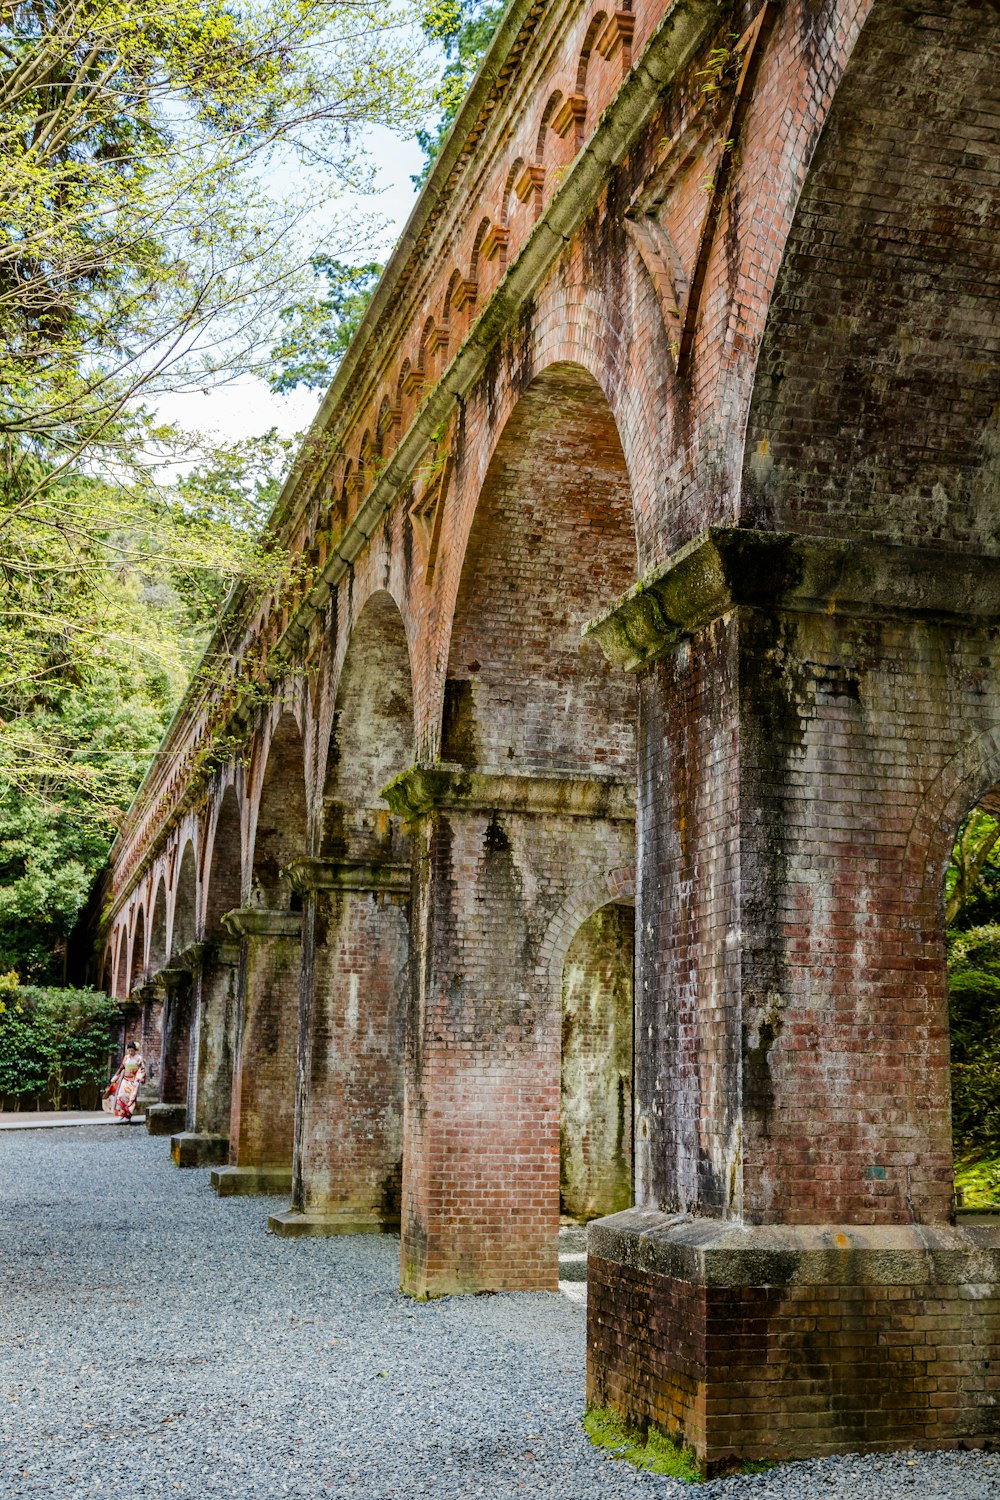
x,y
481,1165
772,1372
352,1132
875,401
263,1092
217,996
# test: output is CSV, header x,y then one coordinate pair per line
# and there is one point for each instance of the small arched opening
x,y
595,1112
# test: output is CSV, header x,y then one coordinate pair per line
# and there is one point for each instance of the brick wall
x,y
481,1160
822,1348
351,1149
263,1097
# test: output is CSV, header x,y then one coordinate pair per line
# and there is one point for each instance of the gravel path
x,y
264,1368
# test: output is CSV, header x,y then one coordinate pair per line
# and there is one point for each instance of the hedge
x,y
54,1046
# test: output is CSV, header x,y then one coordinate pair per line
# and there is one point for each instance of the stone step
x,y
294,1225
244,1182
193,1148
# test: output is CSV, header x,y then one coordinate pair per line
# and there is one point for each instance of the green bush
x,y
974,1025
54,1046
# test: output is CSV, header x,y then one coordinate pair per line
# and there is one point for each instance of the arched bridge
x,y
643,579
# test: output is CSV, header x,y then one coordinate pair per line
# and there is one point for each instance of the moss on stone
x,y
651,1450
977,1179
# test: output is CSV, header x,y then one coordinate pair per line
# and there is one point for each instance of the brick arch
x,y
961,783
224,861
477,248
279,818
121,985
383,426
371,737
158,928
510,186
550,541
346,493
541,139
586,51
185,901
573,326
137,961
606,888
878,379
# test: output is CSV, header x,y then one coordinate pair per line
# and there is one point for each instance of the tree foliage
x,y
316,330
463,29
147,246
54,1045
974,1023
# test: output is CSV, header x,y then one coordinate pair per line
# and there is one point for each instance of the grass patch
x,y
977,1178
651,1450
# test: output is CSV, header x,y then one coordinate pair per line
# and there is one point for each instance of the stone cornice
x,y
193,956
174,978
348,875
426,788
725,568
721,1252
257,921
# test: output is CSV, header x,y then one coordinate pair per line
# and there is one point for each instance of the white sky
x,y
246,406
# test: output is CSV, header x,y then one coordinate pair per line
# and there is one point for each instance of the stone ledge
x,y
165,1119
191,1148
251,1182
348,875
718,1253
257,921
426,787
727,567
295,1225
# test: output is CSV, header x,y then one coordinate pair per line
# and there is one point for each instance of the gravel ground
x,y
152,1333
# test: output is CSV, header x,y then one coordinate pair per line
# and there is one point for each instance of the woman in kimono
x,y
124,1086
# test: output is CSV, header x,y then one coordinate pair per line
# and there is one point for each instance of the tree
x,y
146,247
316,330
972,884
464,30
141,244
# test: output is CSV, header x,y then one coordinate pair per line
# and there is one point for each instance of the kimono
x,y
125,1085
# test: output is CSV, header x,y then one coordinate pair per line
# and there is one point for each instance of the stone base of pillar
x,y
294,1225
780,1342
165,1119
249,1182
192,1148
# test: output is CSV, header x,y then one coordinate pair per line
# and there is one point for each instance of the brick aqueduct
x,y
646,578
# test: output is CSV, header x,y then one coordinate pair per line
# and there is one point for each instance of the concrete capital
x,y
174,978
726,568
723,1253
424,788
258,922
193,956
348,875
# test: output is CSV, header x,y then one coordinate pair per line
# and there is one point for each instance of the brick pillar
x,y
263,1089
205,1139
496,858
150,999
792,1281
355,977
164,1117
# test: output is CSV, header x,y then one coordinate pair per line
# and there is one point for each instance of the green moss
x,y
977,1179
653,1450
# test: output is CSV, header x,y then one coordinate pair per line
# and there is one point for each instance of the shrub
x,y
54,1045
